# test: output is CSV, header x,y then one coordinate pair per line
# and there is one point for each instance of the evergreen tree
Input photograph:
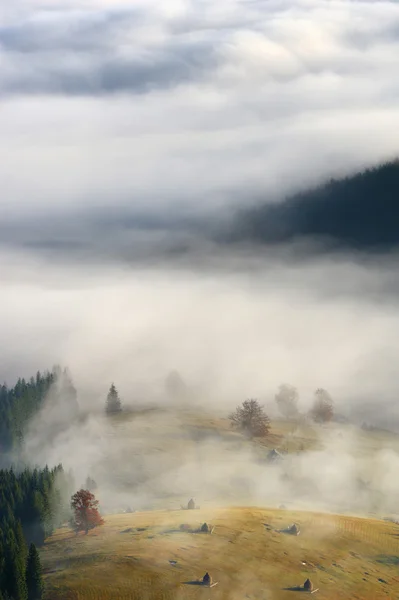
x,y
17,406
34,581
113,404
14,582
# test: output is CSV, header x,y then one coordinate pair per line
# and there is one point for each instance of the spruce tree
x,y
113,404
34,581
14,582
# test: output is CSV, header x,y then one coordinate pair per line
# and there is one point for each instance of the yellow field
x,y
128,558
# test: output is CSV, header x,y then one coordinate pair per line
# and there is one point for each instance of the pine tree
x,y
34,581
113,404
14,582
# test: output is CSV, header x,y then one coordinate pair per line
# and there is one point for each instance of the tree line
x,y
251,419
19,404
32,504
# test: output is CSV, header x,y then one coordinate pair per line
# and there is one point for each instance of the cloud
x,y
130,134
193,104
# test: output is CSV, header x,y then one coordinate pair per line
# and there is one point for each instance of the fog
x,y
130,134
233,331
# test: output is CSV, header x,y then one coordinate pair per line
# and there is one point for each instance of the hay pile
x,y
294,529
308,586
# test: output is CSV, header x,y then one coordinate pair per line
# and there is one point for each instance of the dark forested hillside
x,y
358,212
20,403
32,503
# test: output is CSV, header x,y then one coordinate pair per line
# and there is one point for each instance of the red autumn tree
x,y
85,511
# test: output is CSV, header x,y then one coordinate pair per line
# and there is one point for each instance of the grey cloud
x,y
167,67
108,51
78,34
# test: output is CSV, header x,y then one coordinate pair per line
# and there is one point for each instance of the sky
x,y
190,104
130,133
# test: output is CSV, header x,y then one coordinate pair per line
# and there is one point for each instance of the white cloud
x,y
184,100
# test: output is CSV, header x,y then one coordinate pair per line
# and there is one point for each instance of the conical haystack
x,y
308,585
294,529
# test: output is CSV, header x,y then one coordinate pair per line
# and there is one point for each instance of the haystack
x,y
191,504
293,530
207,579
308,586
274,455
205,528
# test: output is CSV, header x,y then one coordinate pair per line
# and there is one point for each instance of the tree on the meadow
x,y
287,400
34,581
250,419
85,511
323,408
113,404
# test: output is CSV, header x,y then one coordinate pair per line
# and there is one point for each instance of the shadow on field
x,y
299,588
389,560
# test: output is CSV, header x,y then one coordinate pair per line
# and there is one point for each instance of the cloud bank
x,y
191,105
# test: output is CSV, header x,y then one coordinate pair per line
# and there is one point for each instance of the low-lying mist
x,y
233,329
161,458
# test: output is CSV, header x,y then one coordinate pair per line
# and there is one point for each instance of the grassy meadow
x,y
129,557
145,554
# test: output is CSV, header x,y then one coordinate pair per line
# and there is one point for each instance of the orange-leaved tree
x,y
85,511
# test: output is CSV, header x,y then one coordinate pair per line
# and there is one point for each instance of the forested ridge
x,y
32,501
32,504
20,403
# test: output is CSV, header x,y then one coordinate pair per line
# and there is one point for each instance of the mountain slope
x,y
359,212
129,557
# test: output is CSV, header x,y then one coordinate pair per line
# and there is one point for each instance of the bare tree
x,y
323,408
250,419
287,400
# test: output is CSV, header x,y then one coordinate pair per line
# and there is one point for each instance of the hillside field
x,y
128,558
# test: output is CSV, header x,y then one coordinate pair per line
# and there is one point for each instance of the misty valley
x,y
128,473
199,299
